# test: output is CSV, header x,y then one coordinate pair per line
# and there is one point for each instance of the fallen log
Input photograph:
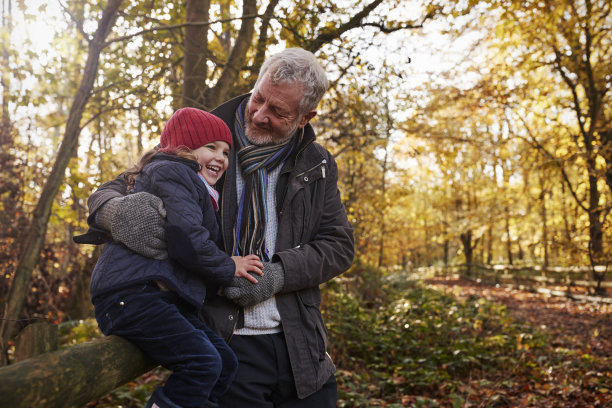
x,y
73,376
575,296
35,339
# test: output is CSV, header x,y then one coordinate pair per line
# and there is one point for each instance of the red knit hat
x,y
193,128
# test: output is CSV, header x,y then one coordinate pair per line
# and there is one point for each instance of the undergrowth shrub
x,y
414,340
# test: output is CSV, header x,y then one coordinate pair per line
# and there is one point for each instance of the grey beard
x,y
268,140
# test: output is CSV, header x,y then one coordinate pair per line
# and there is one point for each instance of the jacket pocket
x,y
109,312
310,302
220,315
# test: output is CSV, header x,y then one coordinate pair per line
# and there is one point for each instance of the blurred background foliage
x,y
466,133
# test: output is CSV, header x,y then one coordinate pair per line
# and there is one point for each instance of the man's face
x,y
272,114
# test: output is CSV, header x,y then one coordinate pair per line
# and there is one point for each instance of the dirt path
x,y
588,323
583,329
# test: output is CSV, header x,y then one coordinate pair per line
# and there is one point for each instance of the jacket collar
x,y
191,163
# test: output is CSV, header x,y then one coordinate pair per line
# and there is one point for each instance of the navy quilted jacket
x,y
192,229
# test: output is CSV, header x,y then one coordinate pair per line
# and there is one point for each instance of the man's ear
x,y
306,118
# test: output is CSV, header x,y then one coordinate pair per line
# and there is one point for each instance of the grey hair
x,y
301,66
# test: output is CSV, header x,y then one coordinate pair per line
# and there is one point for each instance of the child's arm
x,y
189,241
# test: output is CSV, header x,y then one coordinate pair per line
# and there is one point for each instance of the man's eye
x,y
281,114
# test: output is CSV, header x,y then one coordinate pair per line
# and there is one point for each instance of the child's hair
x,y
130,175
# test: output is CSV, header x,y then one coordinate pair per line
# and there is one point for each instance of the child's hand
x,y
246,264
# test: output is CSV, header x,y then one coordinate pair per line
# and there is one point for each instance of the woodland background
x,y
467,133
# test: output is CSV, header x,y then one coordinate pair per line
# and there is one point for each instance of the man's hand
x,y
246,293
137,221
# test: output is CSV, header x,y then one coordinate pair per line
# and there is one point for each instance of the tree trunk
x,y
446,247
73,376
196,53
466,240
568,248
5,76
596,251
544,217
34,238
509,239
35,339
490,245
262,44
383,188
235,62
606,152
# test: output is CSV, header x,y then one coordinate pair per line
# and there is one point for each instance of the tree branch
x,y
539,147
77,22
177,26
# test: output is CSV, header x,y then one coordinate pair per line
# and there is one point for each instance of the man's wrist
x,y
279,275
106,213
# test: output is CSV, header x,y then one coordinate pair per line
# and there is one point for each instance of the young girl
x,y
155,303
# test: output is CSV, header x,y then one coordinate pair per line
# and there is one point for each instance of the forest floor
x,y
580,329
558,352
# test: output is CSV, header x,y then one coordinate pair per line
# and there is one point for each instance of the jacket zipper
x,y
323,162
236,319
323,175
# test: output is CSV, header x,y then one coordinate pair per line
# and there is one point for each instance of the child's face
x,y
213,157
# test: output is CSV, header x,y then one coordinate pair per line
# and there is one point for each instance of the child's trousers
x,y
167,329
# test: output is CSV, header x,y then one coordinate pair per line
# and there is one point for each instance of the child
x,y
155,303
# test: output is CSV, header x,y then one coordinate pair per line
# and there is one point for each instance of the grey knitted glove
x,y
246,293
137,221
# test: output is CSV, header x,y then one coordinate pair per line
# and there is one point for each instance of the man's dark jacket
x,y
314,243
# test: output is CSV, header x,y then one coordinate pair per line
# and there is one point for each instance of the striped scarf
x,y
255,162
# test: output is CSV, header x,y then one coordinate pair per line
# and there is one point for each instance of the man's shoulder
x,y
226,110
317,151
310,143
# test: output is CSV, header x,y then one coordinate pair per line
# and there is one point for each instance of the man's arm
x,y
135,220
99,234
112,189
331,249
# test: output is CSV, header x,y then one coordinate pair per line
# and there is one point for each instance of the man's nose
x,y
261,115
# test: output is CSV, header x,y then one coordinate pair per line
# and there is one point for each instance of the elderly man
x,y
280,201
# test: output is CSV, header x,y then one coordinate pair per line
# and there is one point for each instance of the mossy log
x,y
35,339
73,376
